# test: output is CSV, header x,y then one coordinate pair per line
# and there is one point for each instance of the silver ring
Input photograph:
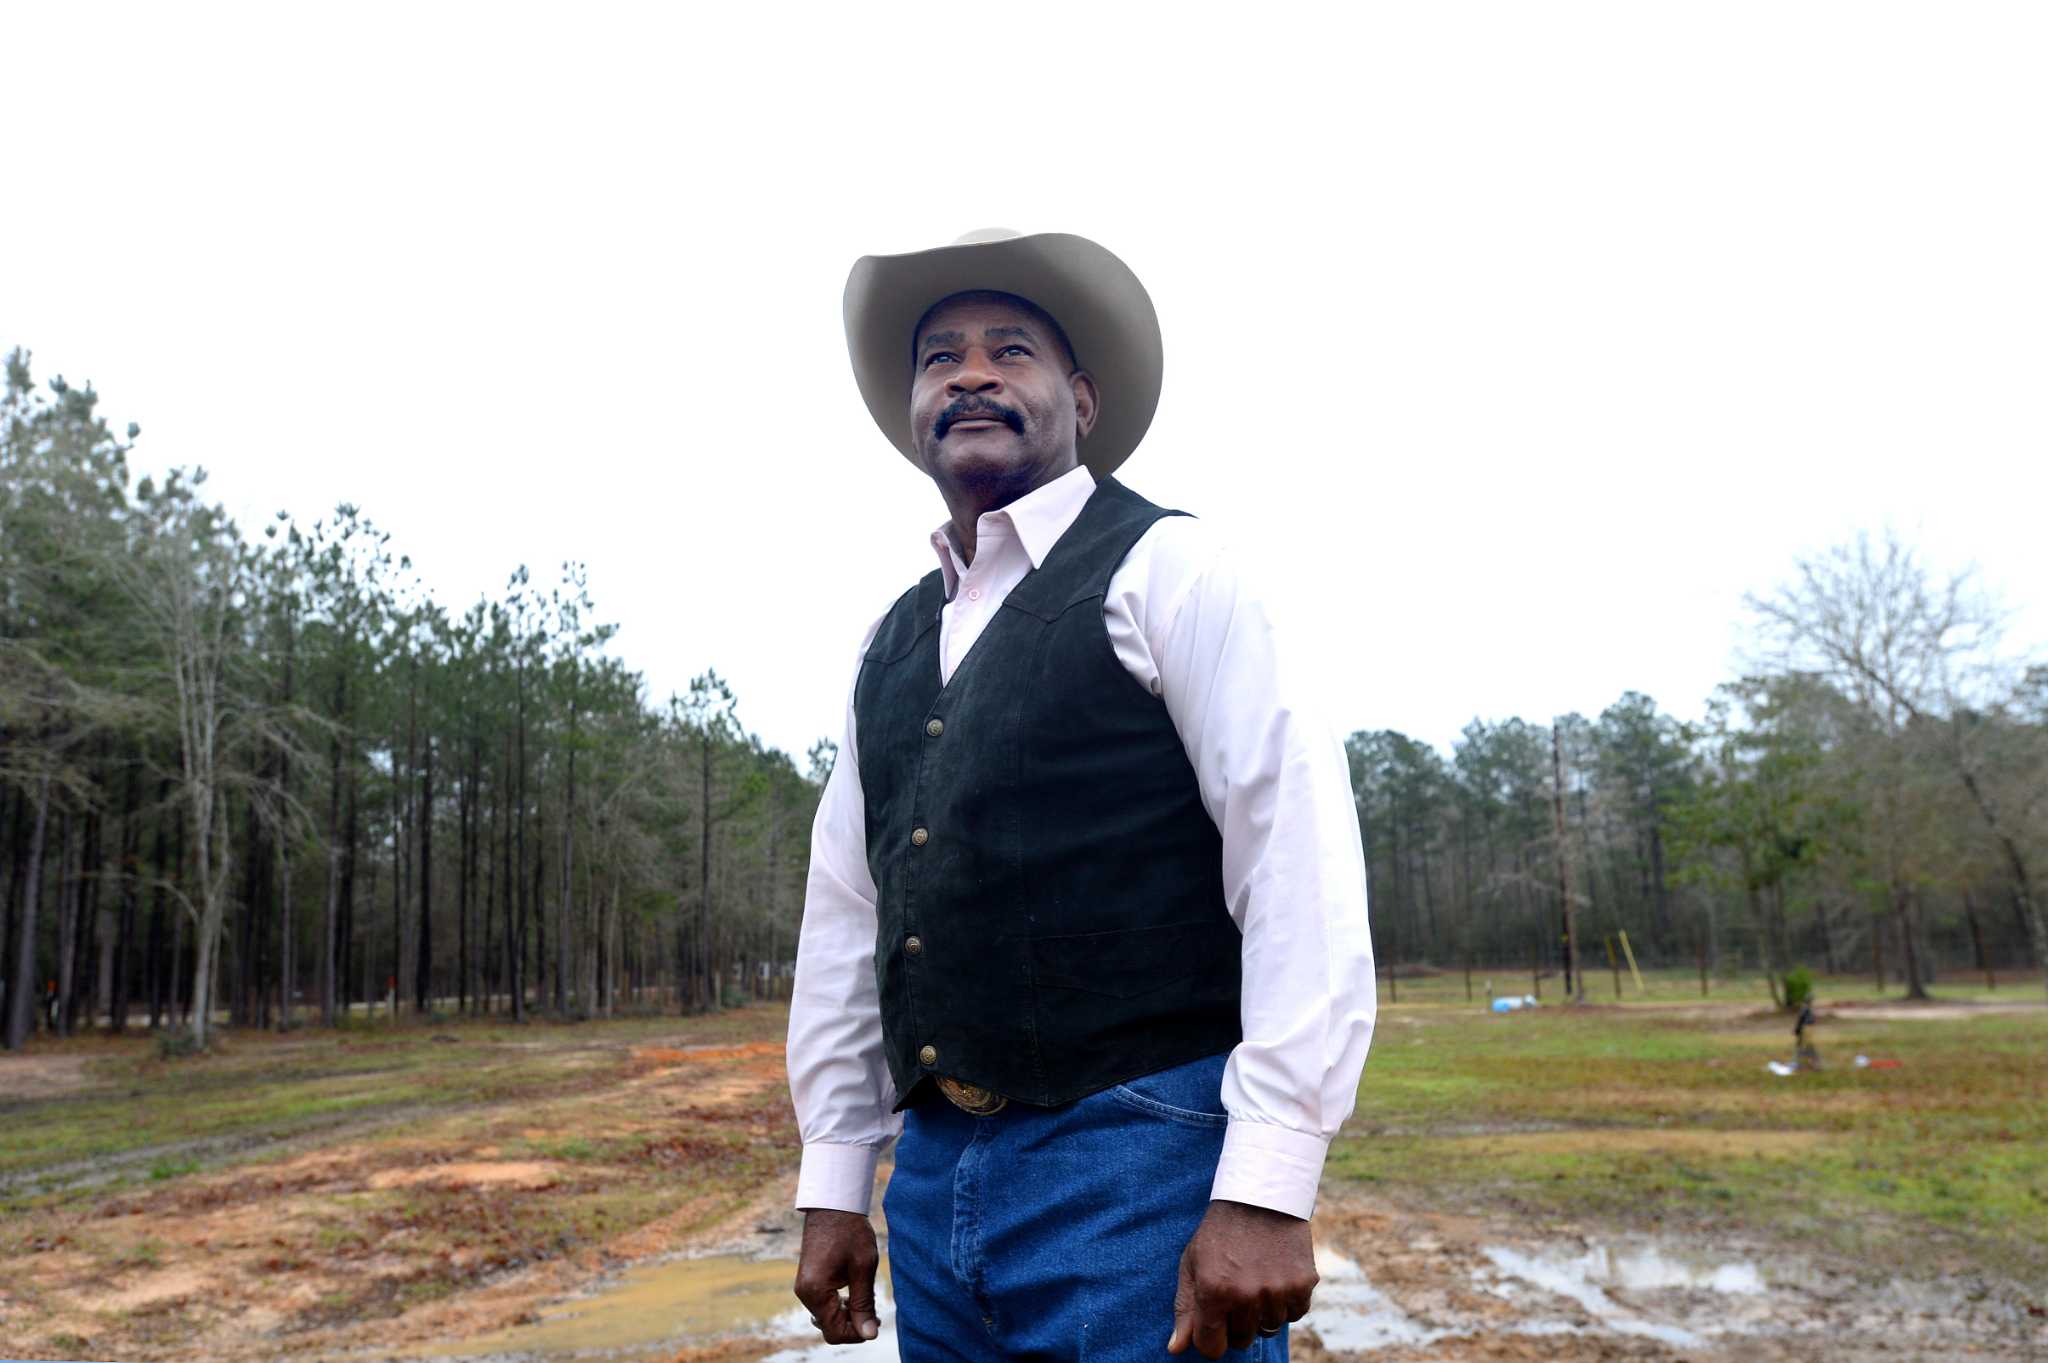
x,y
1274,1331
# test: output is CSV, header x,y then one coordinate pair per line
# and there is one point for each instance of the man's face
x,y
993,398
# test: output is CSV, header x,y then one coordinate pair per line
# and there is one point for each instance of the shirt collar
x,y
1037,519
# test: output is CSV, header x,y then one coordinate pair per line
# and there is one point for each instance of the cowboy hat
x,y
1105,311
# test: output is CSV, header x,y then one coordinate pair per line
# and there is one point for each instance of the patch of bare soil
x,y
286,1259
1640,1140
37,1077
472,1174
1935,1011
1401,1285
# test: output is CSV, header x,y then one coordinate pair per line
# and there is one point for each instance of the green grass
x,y
1646,1113
261,1087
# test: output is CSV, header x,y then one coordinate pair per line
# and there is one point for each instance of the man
x,y
1086,909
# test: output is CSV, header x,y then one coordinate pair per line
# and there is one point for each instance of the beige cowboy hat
x,y
1105,311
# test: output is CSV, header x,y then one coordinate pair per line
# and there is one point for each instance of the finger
x,y
1242,1325
1183,1310
828,1313
860,1298
839,1327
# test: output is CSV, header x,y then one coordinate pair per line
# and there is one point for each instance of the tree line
x,y
272,776
1874,794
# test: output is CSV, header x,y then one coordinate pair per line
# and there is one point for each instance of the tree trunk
x,y
67,922
131,892
519,817
515,925
711,999
423,981
1909,930
21,996
345,941
1977,939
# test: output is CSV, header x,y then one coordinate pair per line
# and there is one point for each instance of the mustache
x,y
977,409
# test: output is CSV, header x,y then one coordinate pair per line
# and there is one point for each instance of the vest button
x,y
919,837
935,727
928,1056
913,946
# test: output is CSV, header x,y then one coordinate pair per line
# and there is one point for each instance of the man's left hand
x,y
1249,1270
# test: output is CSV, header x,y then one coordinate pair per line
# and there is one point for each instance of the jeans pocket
x,y
1190,1093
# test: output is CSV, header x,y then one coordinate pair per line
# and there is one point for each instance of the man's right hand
x,y
839,1251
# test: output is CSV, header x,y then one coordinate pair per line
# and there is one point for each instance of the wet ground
x,y
367,1242
1396,1286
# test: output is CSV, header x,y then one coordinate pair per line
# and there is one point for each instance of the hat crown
x,y
981,235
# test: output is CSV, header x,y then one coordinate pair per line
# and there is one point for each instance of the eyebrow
x,y
955,338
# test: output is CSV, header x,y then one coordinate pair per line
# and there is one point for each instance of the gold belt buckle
x,y
972,1098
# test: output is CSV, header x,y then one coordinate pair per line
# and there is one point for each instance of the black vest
x,y
1050,912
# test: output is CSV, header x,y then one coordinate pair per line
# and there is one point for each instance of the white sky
x,y
1515,342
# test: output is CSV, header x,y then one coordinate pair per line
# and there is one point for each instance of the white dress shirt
x,y
1185,622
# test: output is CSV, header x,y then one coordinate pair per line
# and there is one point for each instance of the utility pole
x,y
1574,987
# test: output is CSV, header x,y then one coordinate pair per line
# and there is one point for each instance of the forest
x,y
272,773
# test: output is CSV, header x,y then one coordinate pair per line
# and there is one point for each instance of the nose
x,y
975,374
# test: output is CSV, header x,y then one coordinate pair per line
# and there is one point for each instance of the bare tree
x,y
1912,650
187,575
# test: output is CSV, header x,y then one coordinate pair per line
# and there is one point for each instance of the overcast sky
x,y
1514,343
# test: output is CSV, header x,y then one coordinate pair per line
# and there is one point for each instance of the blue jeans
x,y
1055,1233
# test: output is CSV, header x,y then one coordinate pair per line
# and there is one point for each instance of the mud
x,y
262,1262
1398,1286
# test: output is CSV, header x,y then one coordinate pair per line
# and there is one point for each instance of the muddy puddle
x,y
1644,1297
653,1309
1548,1292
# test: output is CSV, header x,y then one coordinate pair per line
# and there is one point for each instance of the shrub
x,y
175,1044
1798,986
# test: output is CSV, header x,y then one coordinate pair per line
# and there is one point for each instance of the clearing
x,y
1619,1182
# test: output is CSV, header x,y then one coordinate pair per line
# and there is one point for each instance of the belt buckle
x,y
971,1098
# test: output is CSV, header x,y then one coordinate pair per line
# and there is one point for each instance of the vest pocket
x,y
1123,964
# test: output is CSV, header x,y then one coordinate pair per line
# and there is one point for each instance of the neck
x,y
967,501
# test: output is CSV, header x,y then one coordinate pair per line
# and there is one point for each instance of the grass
x,y
307,1166
1661,1110
261,1087
1653,1112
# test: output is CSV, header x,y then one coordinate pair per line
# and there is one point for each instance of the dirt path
x,y
360,1241
643,1214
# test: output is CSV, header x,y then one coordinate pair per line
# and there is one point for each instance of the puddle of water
x,y
1578,1278
1349,1314
660,1305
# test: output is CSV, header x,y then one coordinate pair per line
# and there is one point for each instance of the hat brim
x,y
1094,296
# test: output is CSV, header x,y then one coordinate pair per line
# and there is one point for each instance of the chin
x,y
966,464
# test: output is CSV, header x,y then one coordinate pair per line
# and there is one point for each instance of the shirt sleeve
x,y
1187,622
838,1079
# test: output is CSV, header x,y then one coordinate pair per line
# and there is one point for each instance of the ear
x,y
1087,402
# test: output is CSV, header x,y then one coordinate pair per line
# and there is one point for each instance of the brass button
x,y
928,1056
919,837
935,727
914,945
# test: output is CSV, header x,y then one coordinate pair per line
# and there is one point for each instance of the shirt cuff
x,y
837,1177
1266,1166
